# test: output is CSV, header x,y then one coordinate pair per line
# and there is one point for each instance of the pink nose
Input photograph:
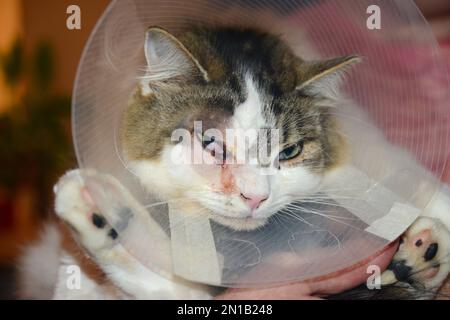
x,y
253,200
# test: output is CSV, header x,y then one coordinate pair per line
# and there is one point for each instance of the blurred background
x,y
38,61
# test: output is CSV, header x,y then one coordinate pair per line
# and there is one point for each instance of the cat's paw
x,y
422,260
95,233
74,205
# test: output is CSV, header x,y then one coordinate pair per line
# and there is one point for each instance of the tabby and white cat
x,y
226,78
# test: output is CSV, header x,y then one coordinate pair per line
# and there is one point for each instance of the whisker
x,y
155,204
317,228
292,214
326,216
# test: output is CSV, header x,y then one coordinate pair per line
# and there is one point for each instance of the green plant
x,y
34,132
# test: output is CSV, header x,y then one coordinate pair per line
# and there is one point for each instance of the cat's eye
x,y
205,140
209,144
291,151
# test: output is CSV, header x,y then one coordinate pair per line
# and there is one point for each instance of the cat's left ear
x,y
323,78
169,61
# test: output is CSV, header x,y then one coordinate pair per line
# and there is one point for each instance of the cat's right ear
x,y
323,78
168,61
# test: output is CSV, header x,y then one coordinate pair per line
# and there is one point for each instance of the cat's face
x,y
230,124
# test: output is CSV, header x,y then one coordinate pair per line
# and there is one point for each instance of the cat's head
x,y
247,83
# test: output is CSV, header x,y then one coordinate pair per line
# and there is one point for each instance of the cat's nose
x,y
254,200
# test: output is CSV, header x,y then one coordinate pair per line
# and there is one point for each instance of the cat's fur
x,y
227,78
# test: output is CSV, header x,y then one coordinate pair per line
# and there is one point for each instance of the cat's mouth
x,y
239,223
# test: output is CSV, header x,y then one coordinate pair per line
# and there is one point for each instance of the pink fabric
x,y
445,47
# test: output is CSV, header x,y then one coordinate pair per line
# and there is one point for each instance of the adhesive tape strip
x,y
194,254
393,224
369,200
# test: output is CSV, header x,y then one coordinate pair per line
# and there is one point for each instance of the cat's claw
x,y
422,260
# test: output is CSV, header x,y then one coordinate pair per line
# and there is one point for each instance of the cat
x,y
234,78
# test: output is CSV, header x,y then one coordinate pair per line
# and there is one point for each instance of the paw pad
x,y
431,251
98,221
113,234
401,271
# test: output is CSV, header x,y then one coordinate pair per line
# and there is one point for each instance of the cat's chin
x,y
239,224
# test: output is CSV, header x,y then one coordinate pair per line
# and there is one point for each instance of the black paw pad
x,y
113,234
98,221
400,270
431,251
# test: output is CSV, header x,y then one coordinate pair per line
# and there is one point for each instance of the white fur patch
x,y
249,115
439,206
38,266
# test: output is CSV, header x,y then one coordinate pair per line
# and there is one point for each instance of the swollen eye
x,y
206,141
291,152
216,150
210,145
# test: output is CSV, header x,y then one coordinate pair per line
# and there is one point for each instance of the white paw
x,y
422,259
74,205
95,233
